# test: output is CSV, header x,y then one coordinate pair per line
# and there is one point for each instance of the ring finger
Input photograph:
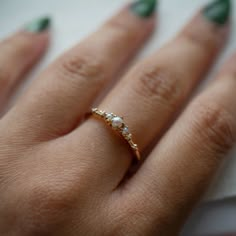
x,y
152,92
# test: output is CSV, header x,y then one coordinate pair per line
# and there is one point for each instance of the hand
x,y
62,174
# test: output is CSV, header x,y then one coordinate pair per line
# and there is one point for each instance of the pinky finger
x,y
19,53
178,171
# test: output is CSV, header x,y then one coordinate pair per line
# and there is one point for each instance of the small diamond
x,y
117,122
100,112
125,131
109,116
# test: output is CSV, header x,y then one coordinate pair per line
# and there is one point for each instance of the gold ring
x,y
117,124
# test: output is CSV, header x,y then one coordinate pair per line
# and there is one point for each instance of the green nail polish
x,y
218,11
144,8
38,25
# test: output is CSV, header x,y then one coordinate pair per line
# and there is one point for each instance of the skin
x,y
61,176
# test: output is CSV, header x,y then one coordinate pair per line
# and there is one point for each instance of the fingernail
x,y
38,25
218,11
144,8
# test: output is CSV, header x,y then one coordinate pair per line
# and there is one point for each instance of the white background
x,y
74,19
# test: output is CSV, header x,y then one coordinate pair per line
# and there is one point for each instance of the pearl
x,y
117,122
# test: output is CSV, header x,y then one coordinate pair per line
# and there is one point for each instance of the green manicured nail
x,y
218,11
144,8
38,25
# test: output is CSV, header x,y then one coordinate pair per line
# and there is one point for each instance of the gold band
x,y
117,124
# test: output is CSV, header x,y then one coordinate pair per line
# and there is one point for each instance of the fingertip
x,y
37,34
144,8
38,25
143,25
134,30
33,45
218,12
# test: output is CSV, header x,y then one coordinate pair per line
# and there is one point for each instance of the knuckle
x,y
83,67
160,83
217,126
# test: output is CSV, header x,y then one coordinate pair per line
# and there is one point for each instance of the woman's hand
x,y
63,175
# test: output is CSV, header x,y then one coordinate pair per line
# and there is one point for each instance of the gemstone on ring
x,y
109,116
117,123
125,131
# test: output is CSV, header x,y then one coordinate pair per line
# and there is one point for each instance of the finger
x,y
180,168
19,53
66,90
150,95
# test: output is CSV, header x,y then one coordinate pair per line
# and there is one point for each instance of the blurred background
x,y
72,20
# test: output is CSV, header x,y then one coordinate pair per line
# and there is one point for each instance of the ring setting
x,y
117,124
